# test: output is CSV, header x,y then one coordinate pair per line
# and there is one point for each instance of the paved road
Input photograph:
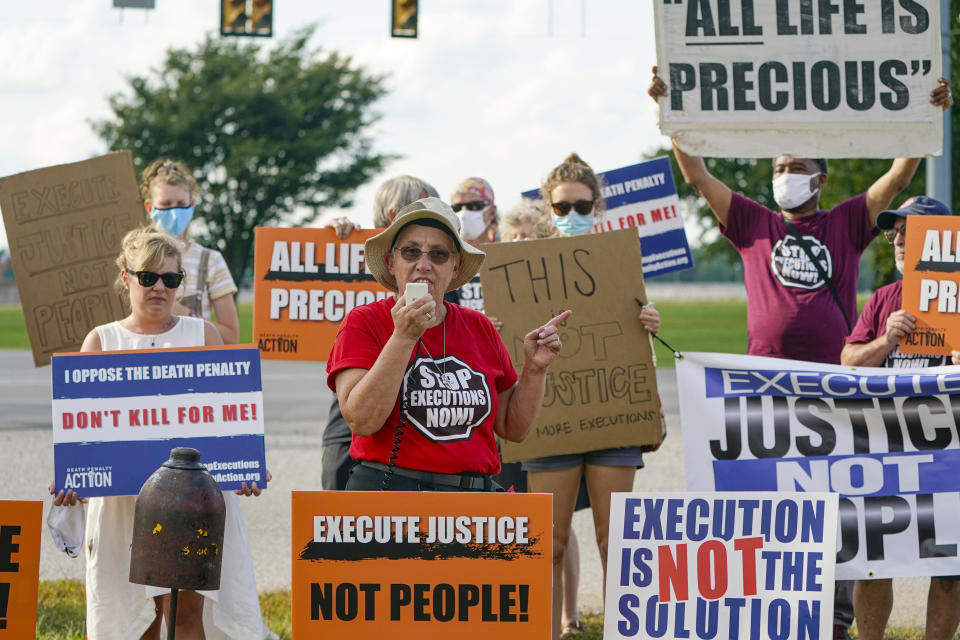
x,y
296,402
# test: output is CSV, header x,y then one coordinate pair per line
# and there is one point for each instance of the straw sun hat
x,y
440,215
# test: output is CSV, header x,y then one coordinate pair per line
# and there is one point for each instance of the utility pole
x,y
939,168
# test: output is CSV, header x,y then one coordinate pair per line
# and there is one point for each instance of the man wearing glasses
x,y
875,342
473,202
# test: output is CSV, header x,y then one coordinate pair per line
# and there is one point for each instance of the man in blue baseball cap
x,y
875,343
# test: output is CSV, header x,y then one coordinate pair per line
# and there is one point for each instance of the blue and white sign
x,y
644,196
720,565
117,415
886,440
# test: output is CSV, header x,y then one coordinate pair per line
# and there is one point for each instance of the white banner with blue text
x,y
117,415
721,565
886,440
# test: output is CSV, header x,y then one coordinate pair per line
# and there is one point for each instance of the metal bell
x,y
178,526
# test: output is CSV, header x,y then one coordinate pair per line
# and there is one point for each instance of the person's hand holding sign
x,y
899,324
942,96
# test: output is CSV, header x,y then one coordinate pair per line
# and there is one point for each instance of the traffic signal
x,y
261,17
246,18
404,19
233,17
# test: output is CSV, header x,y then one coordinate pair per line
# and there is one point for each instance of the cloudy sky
x,y
503,89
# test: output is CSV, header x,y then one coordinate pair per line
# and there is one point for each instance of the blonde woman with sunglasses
x,y
150,274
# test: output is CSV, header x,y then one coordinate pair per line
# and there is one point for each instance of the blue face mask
x,y
173,220
573,224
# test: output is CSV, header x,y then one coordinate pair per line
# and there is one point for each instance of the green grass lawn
x,y
60,615
709,325
687,326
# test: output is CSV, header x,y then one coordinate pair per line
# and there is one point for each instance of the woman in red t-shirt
x,y
425,384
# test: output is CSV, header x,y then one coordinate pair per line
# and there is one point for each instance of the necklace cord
x,y
398,434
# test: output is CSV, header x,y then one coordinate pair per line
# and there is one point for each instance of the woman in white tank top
x,y
117,608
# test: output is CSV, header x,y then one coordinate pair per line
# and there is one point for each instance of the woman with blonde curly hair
x,y
529,220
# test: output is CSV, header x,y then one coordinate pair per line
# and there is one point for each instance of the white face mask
x,y
791,190
472,224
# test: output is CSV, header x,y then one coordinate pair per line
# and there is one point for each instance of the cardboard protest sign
x,y
644,196
441,565
601,391
117,415
884,439
305,283
64,225
814,79
931,275
20,525
717,565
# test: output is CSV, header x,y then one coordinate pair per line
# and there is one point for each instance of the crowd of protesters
x,y
181,295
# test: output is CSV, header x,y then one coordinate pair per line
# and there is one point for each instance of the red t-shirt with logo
x,y
449,391
790,310
873,324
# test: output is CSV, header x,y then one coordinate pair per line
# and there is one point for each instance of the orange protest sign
x,y
20,523
931,272
428,565
305,283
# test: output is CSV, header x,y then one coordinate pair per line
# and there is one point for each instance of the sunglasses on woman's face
x,y
583,207
436,256
473,205
149,278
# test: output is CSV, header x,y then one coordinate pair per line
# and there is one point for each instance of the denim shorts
x,y
616,457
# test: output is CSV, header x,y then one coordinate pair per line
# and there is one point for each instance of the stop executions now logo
x,y
445,398
792,265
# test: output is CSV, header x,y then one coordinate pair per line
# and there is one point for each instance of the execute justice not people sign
x,y
432,565
601,390
824,78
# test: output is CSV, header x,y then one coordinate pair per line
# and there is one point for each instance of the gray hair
x,y
396,193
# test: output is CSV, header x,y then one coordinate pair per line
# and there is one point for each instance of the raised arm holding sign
x,y
780,250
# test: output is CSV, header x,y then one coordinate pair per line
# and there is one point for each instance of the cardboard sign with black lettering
x,y
305,282
20,524
815,79
64,225
601,391
430,565
931,265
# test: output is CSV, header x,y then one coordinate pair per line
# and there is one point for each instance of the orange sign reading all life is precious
x,y
20,523
470,566
305,283
931,273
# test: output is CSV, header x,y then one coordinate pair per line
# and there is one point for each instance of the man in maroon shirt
x,y
791,311
875,342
